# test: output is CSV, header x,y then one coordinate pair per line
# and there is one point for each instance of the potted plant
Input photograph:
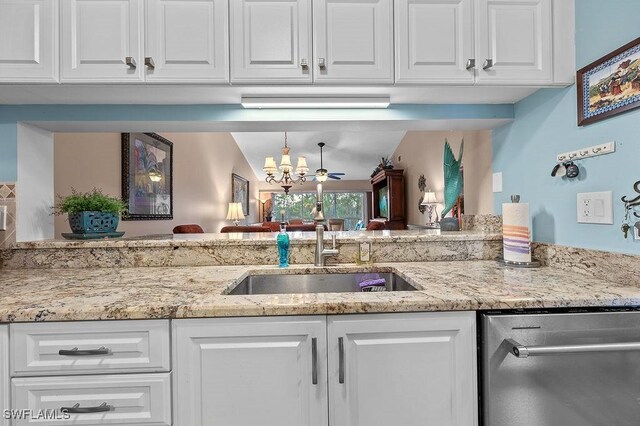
x,y
90,212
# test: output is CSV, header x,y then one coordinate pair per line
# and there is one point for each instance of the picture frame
x,y
609,86
240,192
147,176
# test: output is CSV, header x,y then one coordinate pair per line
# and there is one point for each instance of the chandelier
x,y
286,179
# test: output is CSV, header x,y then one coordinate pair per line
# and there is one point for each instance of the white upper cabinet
x,y
515,41
353,41
29,41
102,41
402,369
434,41
266,371
270,41
187,41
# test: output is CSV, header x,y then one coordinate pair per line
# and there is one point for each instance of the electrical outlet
x,y
595,207
3,218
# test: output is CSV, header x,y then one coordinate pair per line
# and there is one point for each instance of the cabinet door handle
x,y
488,64
304,64
76,409
148,61
131,62
340,360
85,352
322,64
471,64
314,361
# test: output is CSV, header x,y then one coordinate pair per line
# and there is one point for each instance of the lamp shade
x,y
429,198
302,167
269,165
235,212
285,163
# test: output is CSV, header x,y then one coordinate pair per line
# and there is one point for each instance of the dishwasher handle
x,y
521,351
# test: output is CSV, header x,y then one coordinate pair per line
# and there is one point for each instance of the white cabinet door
x,y
434,41
4,373
402,369
97,38
187,41
28,41
270,41
353,41
514,42
250,371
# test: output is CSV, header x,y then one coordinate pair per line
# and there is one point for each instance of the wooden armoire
x,y
389,184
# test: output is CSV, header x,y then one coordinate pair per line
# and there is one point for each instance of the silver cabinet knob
x,y
131,62
304,64
488,64
148,61
471,64
322,64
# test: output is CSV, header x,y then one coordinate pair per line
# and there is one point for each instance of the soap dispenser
x,y
283,246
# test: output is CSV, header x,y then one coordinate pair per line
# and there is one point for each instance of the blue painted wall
x,y
545,126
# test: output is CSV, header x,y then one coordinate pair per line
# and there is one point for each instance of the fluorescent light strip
x,y
270,102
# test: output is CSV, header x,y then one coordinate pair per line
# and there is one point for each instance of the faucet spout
x,y
321,252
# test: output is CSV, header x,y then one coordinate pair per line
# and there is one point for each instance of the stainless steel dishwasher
x,y
561,369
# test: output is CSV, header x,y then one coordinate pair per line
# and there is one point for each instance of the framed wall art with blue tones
x,y
147,176
610,85
240,191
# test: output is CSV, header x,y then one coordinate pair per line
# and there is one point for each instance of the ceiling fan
x,y
323,174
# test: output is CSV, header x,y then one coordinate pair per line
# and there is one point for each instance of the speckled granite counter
x,y
253,249
134,293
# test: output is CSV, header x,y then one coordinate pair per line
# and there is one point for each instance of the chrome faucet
x,y
321,252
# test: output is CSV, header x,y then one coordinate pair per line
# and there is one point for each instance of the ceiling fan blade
x,y
337,174
334,177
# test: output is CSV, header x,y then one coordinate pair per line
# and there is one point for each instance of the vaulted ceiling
x,y
354,153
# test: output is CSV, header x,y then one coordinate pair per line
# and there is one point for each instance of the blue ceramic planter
x,y
93,222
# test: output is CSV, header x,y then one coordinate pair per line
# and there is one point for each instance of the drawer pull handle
x,y
84,352
76,409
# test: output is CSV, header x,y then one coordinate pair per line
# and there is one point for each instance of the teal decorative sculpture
x,y
452,177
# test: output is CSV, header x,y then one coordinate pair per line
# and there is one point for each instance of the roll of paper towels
x,y
516,232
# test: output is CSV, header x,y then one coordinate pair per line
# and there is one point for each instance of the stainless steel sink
x,y
313,283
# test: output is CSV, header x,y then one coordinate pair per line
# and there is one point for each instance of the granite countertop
x,y
136,293
208,240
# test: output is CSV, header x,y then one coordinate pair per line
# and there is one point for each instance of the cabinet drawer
x,y
125,400
89,347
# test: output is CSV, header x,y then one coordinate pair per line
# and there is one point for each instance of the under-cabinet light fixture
x,y
293,102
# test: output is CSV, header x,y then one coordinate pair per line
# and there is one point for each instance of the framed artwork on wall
x,y
147,176
610,85
240,191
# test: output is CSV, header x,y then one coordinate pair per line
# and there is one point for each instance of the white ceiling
x,y
353,153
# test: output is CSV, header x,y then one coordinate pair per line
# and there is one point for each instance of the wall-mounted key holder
x,y
630,206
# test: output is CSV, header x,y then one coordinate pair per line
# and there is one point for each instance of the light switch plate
x,y
497,182
595,207
3,218
636,233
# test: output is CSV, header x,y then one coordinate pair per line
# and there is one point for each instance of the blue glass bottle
x,y
283,246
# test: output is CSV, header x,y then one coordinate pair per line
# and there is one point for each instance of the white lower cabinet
x,y
4,374
250,371
403,369
124,399
416,369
